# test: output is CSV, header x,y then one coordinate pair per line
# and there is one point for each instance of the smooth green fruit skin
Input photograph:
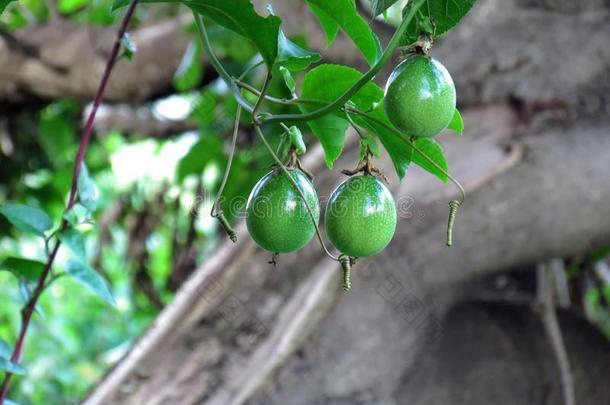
x,y
420,97
276,215
360,217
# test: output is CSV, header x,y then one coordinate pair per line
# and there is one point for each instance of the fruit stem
x,y
346,266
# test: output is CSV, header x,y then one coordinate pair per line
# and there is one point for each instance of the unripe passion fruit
x,y
360,218
420,97
276,215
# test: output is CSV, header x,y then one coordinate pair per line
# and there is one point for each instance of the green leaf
x,y
444,14
10,367
189,72
3,4
129,48
457,124
289,80
434,151
5,350
89,278
296,139
330,131
197,158
328,24
238,16
23,269
293,56
344,13
380,6
75,241
26,218
70,6
369,144
76,215
87,193
326,83
399,151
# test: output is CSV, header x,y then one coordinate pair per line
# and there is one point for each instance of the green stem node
x,y
220,216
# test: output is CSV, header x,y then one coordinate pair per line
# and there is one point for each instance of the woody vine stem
x,y
28,309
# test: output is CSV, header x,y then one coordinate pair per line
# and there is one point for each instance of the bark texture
x,y
534,159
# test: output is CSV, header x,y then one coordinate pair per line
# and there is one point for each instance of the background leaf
x,y
23,269
379,6
237,15
199,156
434,151
10,367
90,278
190,71
344,13
457,123
26,218
87,192
444,13
327,82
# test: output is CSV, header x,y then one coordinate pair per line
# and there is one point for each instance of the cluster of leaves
x,y
325,82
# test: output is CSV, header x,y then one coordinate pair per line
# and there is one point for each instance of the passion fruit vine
x,y
360,218
276,215
420,96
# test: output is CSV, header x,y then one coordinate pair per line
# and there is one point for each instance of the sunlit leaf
x,y
457,124
90,278
344,13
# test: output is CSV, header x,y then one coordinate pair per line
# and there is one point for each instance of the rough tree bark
x,y
535,162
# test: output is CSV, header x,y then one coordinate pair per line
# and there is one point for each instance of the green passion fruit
x,y
420,97
360,217
276,215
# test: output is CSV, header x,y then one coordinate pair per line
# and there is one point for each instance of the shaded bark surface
x,y
534,159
